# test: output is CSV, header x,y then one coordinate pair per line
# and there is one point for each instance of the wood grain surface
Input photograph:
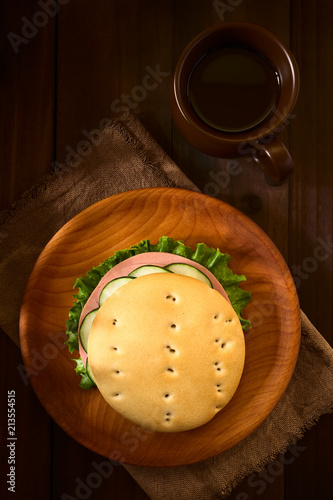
x,y
64,81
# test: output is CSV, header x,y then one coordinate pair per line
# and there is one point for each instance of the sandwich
x,y
160,332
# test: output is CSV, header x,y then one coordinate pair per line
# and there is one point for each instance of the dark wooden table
x,y
61,76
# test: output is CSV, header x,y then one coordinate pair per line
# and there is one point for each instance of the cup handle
x,y
274,160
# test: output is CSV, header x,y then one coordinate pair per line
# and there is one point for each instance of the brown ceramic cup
x,y
260,140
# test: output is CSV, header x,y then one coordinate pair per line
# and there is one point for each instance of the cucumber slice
x,y
85,328
90,375
150,269
112,286
188,270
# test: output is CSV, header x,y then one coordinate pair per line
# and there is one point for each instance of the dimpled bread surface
x,y
167,352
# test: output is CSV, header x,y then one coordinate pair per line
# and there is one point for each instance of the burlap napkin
x,y
122,158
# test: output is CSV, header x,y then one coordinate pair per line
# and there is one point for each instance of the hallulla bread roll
x,y
166,351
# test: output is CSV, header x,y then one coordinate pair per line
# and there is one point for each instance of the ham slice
x,y
125,267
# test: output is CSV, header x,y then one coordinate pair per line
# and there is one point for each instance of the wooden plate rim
x,y
185,195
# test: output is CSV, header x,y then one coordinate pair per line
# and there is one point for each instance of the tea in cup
x,y
233,87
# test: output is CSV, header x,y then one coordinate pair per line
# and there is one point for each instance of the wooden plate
x,y
118,222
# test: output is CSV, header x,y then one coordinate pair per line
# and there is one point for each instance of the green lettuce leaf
x,y
86,382
211,258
